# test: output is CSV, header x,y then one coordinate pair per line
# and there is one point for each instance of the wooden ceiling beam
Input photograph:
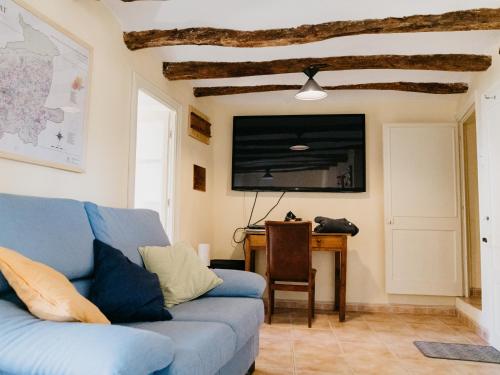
x,y
464,20
443,62
421,87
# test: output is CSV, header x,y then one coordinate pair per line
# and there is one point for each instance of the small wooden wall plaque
x,y
199,126
199,178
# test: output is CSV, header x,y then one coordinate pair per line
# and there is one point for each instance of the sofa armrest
x,y
35,347
238,284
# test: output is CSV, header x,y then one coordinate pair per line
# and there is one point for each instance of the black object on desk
x,y
228,264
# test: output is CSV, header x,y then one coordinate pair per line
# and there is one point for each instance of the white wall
x,y
366,277
106,177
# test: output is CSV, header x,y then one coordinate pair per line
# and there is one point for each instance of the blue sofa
x,y
215,334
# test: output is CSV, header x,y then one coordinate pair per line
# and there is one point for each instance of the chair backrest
x,y
289,250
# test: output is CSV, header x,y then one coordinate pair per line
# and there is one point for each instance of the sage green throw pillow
x,y
182,275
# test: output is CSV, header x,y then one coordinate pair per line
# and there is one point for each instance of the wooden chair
x,y
289,259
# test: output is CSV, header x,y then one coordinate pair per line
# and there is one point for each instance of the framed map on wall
x,y
44,90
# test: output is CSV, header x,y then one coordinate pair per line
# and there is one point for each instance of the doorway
x,y
472,225
152,154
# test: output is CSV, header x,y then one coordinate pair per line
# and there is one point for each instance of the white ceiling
x,y
265,14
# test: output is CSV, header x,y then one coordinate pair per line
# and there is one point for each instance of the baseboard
x,y
475,292
374,308
471,317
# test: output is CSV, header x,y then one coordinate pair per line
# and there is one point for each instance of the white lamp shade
x,y
311,91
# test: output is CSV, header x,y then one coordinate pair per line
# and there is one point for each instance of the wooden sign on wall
x,y
199,126
199,178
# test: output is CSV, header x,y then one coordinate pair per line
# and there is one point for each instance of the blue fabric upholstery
x,y
30,346
52,231
216,334
126,229
243,359
201,348
238,284
243,315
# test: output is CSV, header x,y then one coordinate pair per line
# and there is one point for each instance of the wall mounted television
x,y
315,153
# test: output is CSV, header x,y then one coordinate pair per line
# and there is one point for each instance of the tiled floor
x,y
366,343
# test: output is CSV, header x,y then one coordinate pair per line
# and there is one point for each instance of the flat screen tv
x,y
299,153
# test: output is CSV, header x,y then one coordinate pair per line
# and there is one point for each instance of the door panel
x,y
423,167
423,230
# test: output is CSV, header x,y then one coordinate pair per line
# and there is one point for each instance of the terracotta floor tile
x,y
381,317
301,347
272,371
427,366
319,322
275,333
321,362
275,358
363,351
379,344
314,335
423,319
405,350
467,368
377,366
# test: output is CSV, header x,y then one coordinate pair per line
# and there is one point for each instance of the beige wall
x,y
366,277
106,178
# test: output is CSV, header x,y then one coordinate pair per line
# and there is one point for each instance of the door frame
x,y
470,109
173,188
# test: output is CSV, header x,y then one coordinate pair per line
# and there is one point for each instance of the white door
x,y
489,208
422,214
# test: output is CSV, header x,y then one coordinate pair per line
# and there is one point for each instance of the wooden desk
x,y
336,243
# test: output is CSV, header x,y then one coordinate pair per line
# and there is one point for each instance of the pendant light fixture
x,y
267,175
311,90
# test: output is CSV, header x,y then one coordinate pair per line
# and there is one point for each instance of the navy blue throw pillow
x,y
124,291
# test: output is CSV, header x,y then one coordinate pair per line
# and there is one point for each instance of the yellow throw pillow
x,y
182,275
47,293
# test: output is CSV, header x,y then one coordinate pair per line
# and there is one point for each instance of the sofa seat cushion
x,y
201,348
126,229
30,346
243,315
55,232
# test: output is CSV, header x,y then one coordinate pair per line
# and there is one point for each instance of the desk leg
x,y
248,255
343,281
337,281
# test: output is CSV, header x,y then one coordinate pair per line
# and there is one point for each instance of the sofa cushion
x,y
48,294
124,291
183,276
243,315
201,348
51,231
238,284
30,346
126,229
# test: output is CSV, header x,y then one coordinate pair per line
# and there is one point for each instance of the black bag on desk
x,y
327,225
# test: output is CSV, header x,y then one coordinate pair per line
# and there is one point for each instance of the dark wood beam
x,y
443,62
464,20
422,87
